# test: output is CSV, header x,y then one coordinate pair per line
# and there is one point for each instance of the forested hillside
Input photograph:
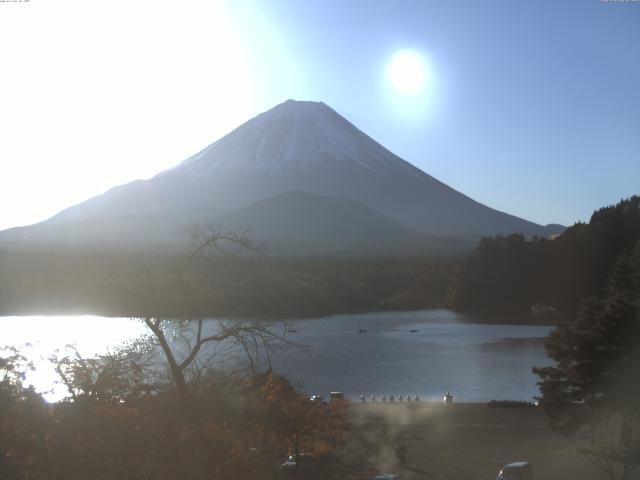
x,y
511,274
120,284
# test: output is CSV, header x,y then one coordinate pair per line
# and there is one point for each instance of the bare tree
x,y
610,440
210,238
256,339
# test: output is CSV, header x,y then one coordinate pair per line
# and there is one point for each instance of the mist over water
x,y
424,353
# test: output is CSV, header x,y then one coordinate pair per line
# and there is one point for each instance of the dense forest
x,y
510,274
133,284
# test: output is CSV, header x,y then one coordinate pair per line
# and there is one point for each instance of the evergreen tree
x,y
511,274
593,392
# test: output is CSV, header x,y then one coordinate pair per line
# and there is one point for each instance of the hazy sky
x,y
530,107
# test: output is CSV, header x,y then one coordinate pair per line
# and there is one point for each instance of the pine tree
x,y
593,392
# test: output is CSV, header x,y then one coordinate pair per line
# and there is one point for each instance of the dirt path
x,y
469,441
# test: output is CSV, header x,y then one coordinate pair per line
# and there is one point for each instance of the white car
x,y
386,476
516,471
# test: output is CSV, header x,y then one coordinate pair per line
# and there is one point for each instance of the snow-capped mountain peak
x,y
295,147
292,135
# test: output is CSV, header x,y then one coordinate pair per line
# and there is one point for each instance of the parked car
x,y
337,396
386,476
318,399
516,471
303,463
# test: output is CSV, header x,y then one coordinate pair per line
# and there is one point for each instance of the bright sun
x,y
407,70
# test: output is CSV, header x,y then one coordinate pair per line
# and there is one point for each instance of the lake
x,y
425,353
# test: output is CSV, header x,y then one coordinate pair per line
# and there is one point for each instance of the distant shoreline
x,y
470,318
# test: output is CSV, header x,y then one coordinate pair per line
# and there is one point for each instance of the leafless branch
x,y
211,237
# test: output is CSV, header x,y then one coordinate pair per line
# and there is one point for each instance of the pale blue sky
x,y
537,104
530,107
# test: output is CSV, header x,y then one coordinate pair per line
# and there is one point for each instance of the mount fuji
x,y
299,173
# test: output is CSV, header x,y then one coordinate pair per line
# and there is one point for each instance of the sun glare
x,y
91,336
407,70
121,104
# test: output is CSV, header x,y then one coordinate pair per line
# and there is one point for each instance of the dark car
x,y
303,463
337,396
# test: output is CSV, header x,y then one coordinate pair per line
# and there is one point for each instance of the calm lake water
x,y
475,362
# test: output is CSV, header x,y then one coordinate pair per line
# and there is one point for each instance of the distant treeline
x,y
509,274
128,284
505,275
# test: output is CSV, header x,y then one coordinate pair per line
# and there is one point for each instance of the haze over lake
x,y
475,362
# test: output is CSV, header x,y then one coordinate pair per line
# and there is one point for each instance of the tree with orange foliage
x,y
303,425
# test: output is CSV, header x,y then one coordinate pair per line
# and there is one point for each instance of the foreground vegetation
x,y
592,394
166,409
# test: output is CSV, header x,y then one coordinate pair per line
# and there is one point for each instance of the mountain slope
x,y
307,146
298,222
295,146
304,217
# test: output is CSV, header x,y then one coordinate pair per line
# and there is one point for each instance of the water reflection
x,y
39,337
426,353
